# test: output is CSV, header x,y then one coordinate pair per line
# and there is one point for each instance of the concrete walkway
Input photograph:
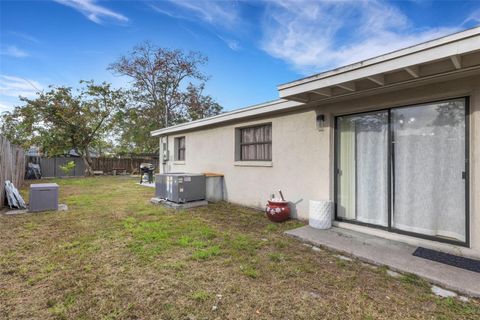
x,y
396,255
147,184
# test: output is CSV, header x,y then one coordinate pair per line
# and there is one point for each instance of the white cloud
x,y
166,12
13,86
93,11
13,51
231,43
313,36
5,107
473,18
25,37
221,13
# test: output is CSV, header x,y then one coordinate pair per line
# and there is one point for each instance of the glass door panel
x,y
429,169
362,168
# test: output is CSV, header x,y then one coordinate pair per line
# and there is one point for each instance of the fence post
x,y
12,166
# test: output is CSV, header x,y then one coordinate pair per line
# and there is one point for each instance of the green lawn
x,y
113,255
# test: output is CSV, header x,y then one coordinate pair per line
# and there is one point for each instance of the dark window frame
x,y
240,143
178,148
391,183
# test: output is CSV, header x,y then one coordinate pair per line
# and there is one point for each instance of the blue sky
x,y
252,46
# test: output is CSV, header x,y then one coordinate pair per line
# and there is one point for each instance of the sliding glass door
x,y
404,169
429,169
363,168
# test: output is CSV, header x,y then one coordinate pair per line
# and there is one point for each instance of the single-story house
x,y
393,141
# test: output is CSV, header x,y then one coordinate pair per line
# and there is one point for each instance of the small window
x,y
180,149
255,143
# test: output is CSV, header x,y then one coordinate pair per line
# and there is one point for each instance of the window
x,y
255,143
180,149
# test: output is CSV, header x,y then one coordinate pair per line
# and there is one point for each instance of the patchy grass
x,y
414,280
249,271
201,295
461,309
113,255
276,257
207,253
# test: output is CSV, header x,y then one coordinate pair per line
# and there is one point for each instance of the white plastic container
x,y
320,214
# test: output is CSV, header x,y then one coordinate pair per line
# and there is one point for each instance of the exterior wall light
x,y
320,122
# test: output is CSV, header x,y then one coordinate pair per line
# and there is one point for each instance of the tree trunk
x,y
87,160
133,170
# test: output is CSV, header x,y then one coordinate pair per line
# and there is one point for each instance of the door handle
x,y
464,175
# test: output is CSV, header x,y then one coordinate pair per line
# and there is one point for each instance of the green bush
x,y
68,167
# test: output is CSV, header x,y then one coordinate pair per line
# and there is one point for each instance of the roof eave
x,y
376,70
235,115
385,57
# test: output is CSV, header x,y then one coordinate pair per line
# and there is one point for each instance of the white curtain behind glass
x,y
363,161
372,168
429,151
346,166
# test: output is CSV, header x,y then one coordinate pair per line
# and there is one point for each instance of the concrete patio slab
x,y
396,255
61,207
147,184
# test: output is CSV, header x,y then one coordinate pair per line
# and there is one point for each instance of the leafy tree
x,y
132,132
60,120
16,126
163,92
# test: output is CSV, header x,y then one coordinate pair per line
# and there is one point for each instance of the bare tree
x,y
157,75
167,87
197,104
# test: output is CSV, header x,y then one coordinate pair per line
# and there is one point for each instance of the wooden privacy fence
x,y
131,165
12,166
50,167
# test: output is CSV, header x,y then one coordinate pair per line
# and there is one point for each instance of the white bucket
x,y
320,214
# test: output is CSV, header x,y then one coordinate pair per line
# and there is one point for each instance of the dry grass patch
x,y
113,255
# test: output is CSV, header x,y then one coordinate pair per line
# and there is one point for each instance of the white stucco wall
x,y
302,165
296,142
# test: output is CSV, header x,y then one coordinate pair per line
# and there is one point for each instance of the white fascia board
x,y
256,110
457,44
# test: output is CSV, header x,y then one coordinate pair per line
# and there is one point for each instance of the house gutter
x,y
235,115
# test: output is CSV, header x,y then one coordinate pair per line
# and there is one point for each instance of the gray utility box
x,y
43,197
161,186
180,187
214,186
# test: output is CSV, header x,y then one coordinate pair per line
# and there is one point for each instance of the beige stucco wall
x,y
292,169
302,165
